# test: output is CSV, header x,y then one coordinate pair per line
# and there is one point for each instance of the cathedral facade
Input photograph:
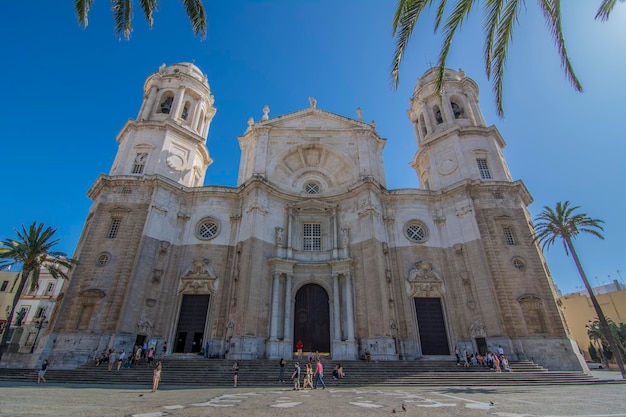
x,y
310,245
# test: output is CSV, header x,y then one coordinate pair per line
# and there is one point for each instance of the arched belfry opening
x,y
312,319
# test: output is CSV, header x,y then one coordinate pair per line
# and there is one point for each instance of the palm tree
x,y
564,223
33,251
500,19
123,13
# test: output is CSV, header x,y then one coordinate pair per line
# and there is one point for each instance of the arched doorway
x,y
191,323
312,319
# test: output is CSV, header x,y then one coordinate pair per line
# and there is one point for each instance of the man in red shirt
x,y
299,346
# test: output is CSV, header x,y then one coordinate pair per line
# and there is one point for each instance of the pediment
x,y
313,118
312,206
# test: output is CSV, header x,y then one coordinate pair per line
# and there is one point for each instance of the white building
x,y
310,245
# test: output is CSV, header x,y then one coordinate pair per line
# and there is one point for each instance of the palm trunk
x,y
16,298
604,325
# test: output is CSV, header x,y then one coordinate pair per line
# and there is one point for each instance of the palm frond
x,y
82,8
606,7
122,16
149,7
493,9
440,12
197,15
552,13
404,20
500,49
459,14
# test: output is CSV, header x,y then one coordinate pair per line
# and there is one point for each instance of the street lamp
x,y
40,325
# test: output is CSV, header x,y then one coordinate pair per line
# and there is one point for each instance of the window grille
x,y
416,232
483,168
508,236
312,237
114,228
312,188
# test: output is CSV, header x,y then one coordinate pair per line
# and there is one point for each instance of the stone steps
x,y
197,371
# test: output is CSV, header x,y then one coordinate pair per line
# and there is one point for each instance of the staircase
x,y
186,370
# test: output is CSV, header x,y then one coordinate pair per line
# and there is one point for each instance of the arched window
x,y
457,109
437,113
185,113
166,103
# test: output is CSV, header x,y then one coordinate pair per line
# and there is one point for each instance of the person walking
x,y
120,359
235,373
319,375
308,377
44,367
281,375
164,349
156,376
296,377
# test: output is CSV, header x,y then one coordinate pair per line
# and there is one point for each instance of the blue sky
x,y
68,92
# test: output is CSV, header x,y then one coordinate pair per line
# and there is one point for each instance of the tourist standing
x,y
319,375
235,373
164,349
156,376
299,346
42,371
150,356
112,359
120,359
281,375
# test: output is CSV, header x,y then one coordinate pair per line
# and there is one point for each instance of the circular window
x,y
311,188
415,231
103,259
519,264
207,229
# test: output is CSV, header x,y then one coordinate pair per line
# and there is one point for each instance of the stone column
x,y
349,307
426,113
336,308
446,109
289,236
148,104
196,115
275,312
176,107
287,324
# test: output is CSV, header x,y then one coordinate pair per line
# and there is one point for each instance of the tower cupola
x,y
169,136
453,141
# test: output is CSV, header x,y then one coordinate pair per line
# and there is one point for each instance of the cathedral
x,y
310,245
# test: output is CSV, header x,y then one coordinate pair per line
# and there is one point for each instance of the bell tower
x,y
169,136
453,142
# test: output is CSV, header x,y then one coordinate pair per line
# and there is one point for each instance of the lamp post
x,y
42,323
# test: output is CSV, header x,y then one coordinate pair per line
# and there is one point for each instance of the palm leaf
x,y
404,20
82,8
197,15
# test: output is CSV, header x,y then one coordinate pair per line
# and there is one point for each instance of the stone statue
x,y
312,102
19,317
280,234
266,112
359,114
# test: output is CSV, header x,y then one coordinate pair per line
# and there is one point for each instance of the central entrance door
x,y
312,319
190,331
432,326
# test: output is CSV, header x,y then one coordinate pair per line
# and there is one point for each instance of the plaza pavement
x,y
56,399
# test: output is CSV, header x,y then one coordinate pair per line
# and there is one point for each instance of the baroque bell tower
x,y
454,144
169,136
